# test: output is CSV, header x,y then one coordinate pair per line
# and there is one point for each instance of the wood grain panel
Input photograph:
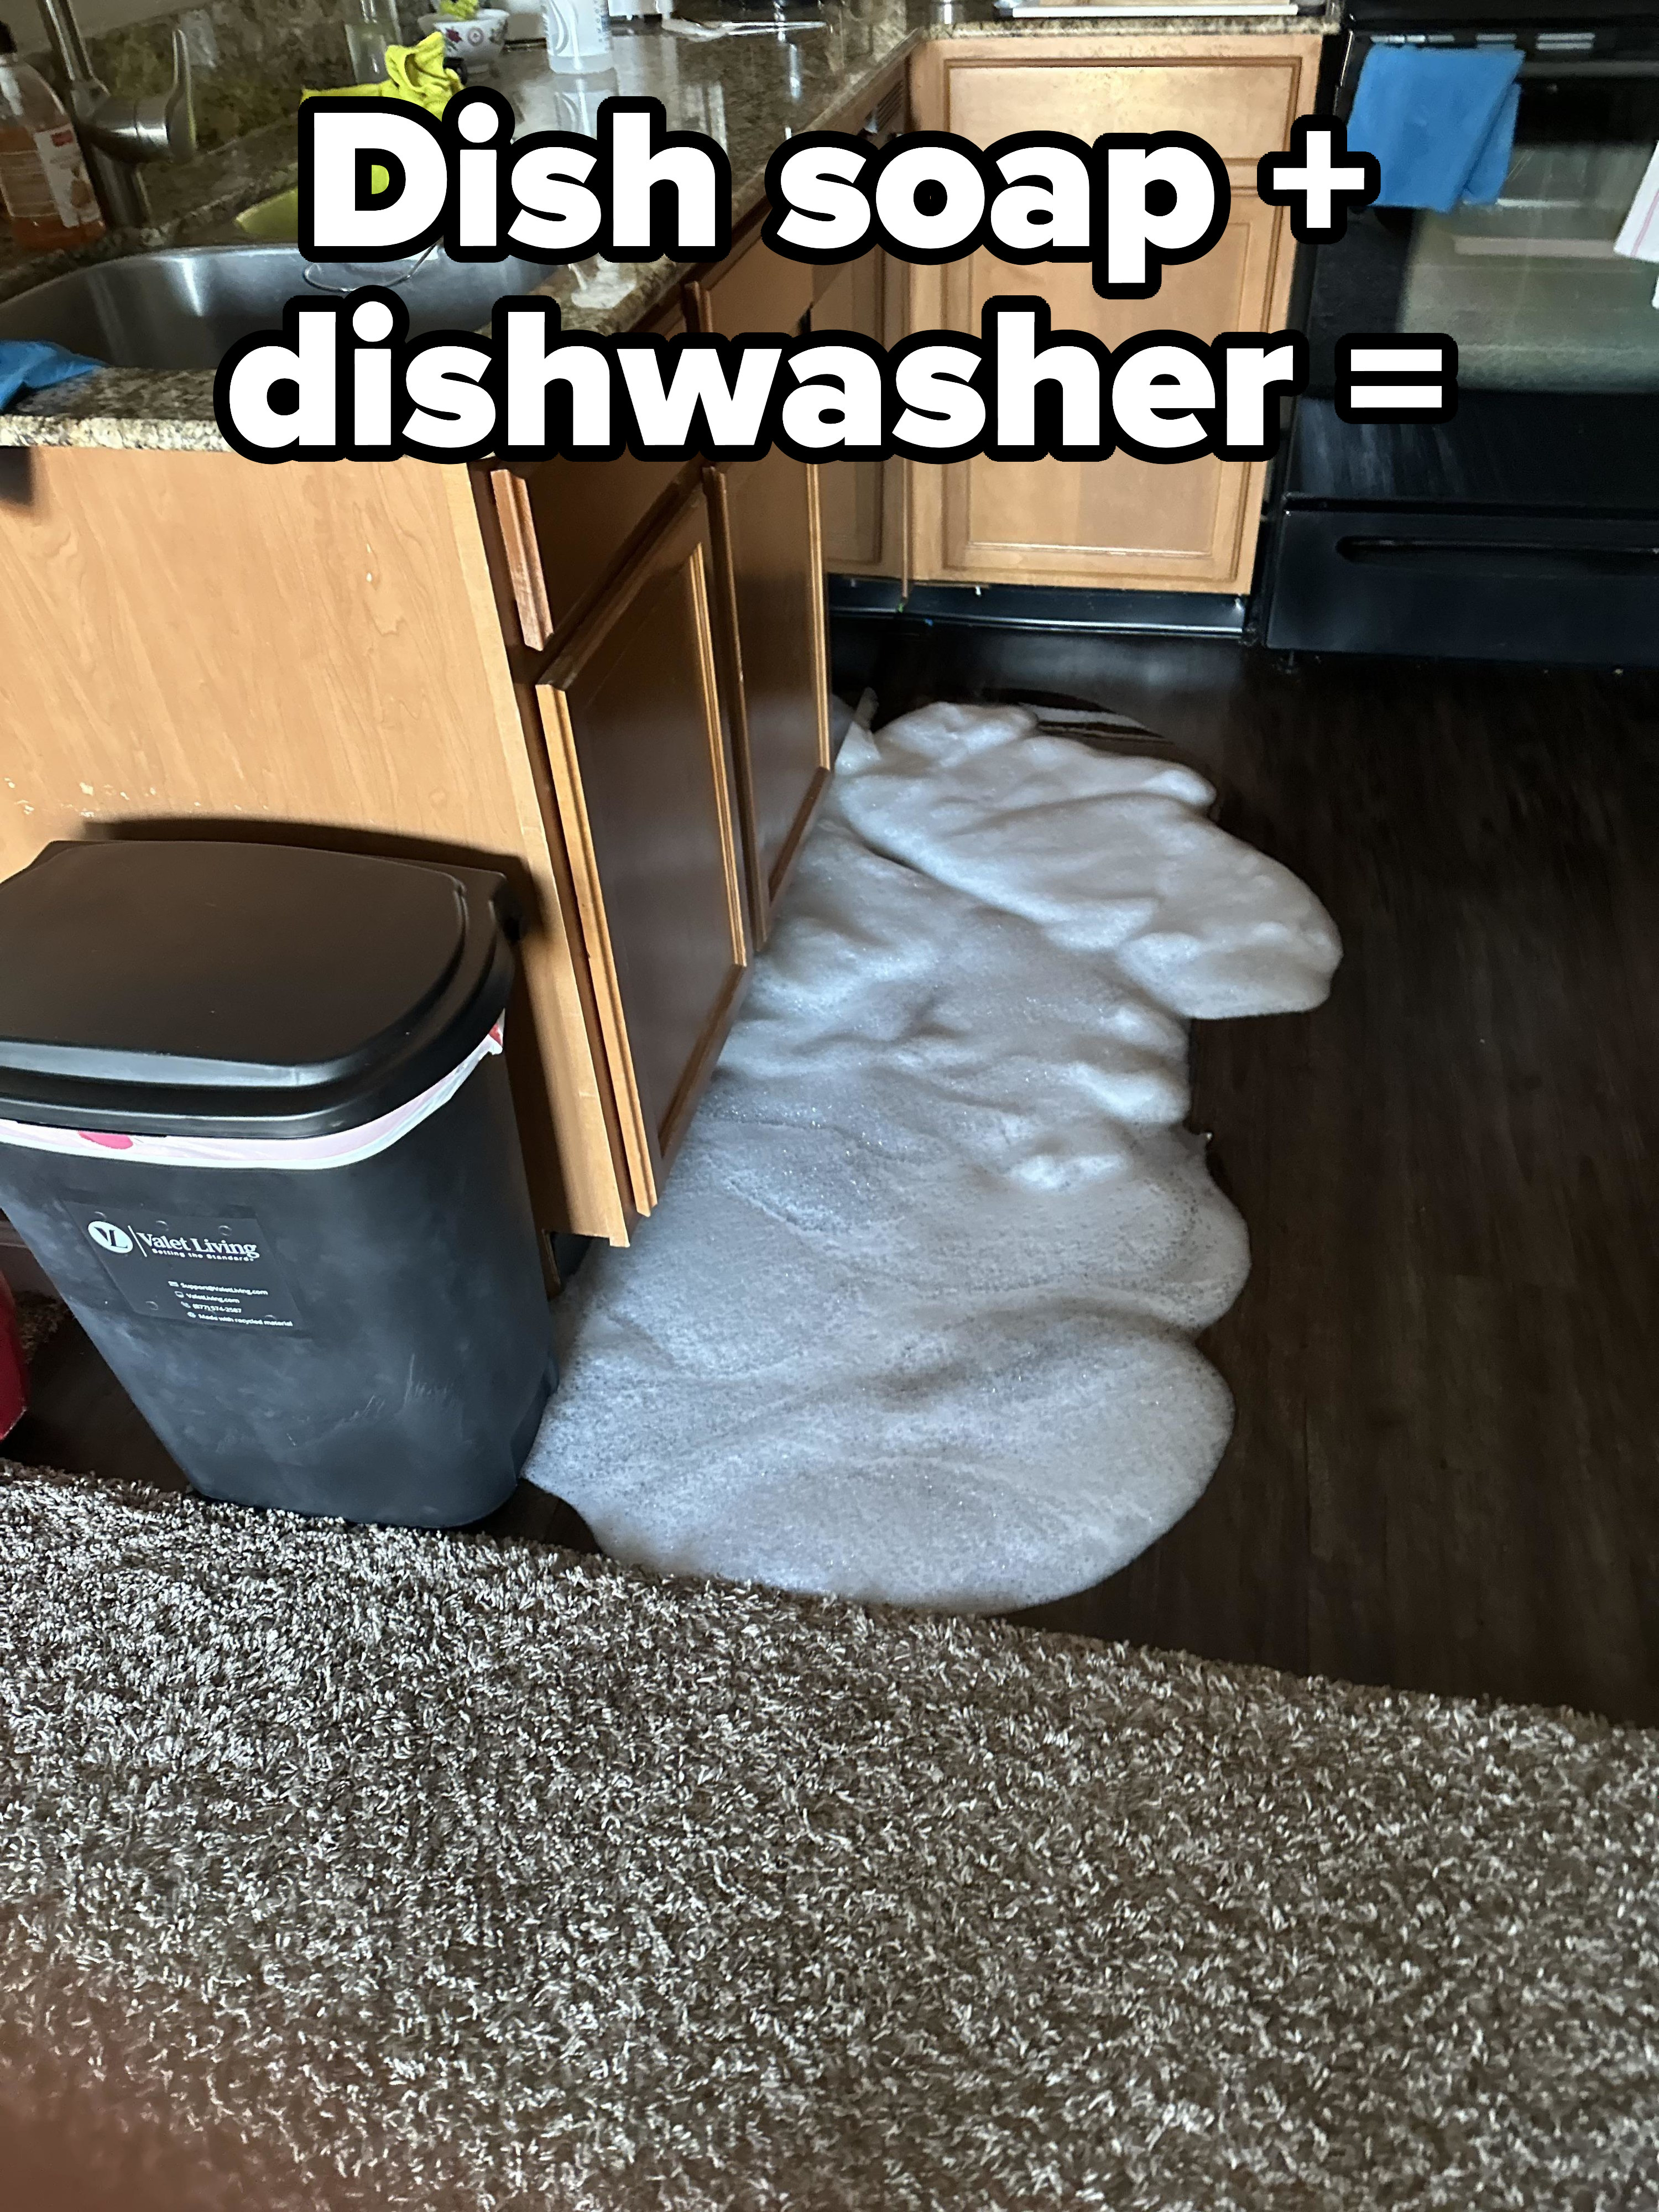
x,y
755,290
1242,108
641,767
862,503
567,526
516,524
194,644
1240,92
1189,525
771,602
769,593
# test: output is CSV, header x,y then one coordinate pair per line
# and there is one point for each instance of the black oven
x,y
1528,527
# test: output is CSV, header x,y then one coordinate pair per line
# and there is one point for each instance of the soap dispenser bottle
x,y
43,173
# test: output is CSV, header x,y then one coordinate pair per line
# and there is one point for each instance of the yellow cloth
x,y
416,73
413,73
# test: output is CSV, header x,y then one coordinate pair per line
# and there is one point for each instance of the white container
x,y
578,36
474,42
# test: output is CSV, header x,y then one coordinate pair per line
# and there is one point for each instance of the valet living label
x,y
213,1268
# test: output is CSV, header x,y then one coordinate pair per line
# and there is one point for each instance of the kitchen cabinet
x,y
194,646
754,289
769,613
607,679
1119,522
641,761
770,578
565,527
329,654
863,501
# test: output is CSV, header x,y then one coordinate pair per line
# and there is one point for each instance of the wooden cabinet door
x,y
1189,525
1239,95
755,290
641,771
566,527
769,598
863,501
766,519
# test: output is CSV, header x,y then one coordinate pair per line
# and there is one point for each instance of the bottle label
x,y
66,175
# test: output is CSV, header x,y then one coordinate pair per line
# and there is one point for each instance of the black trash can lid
x,y
239,990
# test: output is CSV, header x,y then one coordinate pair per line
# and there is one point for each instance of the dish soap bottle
x,y
43,173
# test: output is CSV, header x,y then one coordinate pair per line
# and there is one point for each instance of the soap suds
x,y
913,1321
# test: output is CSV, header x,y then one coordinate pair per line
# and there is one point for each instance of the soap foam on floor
x,y
911,1322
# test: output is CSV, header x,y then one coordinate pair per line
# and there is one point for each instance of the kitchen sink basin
x,y
182,309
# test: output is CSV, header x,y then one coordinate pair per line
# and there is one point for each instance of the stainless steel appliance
x,y
1526,528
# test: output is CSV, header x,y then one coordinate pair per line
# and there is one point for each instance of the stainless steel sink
x,y
181,308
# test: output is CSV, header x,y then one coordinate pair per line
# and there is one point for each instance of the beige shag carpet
x,y
349,1867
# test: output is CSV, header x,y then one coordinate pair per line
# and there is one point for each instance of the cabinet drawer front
x,y
1244,109
641,771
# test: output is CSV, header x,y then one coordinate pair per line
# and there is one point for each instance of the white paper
x,y
1639,238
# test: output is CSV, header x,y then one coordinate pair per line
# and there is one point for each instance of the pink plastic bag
x,y
13,1376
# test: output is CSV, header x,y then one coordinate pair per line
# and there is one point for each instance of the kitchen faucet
x,y
118,132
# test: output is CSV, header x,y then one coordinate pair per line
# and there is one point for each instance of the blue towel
x,y
30,365
1441,120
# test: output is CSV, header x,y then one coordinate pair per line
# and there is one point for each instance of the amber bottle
x,y
48,195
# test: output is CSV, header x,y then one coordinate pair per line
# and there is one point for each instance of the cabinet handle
x,y
523,557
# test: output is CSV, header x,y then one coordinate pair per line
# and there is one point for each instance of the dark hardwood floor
x,y
82,1421
1445,1472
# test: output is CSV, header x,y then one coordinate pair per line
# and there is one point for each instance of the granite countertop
x,y
751,91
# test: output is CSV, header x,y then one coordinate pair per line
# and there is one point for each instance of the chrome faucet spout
x,y
161,127
119,132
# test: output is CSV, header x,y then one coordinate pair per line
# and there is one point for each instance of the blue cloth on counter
x,y
1441,121
30,365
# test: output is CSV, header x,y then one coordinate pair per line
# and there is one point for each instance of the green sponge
x,y
276,221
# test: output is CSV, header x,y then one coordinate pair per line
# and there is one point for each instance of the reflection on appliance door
x,y
1531,289
1525,527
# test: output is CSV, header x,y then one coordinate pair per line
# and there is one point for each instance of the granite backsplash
x,y
252,63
